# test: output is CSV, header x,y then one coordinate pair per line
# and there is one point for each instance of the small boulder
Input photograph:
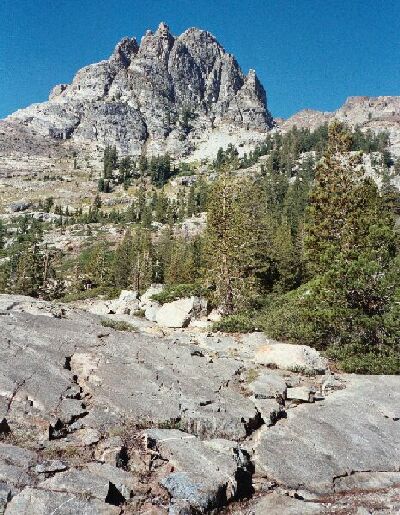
x,y
146,298
214,316
19,206
297,358
301,394
50,467
151,311
268,386
128,295
180,312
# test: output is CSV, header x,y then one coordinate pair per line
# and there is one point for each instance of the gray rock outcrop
x,y
164,93
99,421
180,312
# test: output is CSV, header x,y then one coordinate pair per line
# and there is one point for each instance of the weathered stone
x,y
46,502
270,410
19,206
126,304
214,315
200,324
123,481
298,358
146,298
78,482
110,450
367,481
128,295
86,436
180,312
190,457
343,434
276,504
268,386
151,311
50,466
301,393
14,466
127,376
5,496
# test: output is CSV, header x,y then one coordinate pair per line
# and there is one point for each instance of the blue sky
x,y
307,53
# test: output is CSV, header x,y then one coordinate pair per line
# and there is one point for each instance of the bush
x,y
360,344
104,292
179,291
241,323
282,317
353,358
118,325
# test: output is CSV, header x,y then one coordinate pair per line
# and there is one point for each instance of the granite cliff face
x,y
161,95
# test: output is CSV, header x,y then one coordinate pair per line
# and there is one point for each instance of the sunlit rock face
x,y
164,94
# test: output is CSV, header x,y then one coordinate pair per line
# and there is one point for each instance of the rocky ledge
x,y
100,421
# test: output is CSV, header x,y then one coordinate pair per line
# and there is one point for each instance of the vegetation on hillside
x,y
302,246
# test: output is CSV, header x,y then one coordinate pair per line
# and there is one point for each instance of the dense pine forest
x,y
298,242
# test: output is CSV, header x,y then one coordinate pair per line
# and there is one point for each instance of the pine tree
x,y
142,262
3,234
351,245
330,201
236,242
122,262
191,202
287,260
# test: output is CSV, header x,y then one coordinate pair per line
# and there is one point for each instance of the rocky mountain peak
x,y
124,51
164,94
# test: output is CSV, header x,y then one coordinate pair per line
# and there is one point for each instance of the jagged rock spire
x,y
165,93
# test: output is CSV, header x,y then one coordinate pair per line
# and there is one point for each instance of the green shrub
x,y
359,343
104,292
240,323
179,291
282,317
118,325
352,358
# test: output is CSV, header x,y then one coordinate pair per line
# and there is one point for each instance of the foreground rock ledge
x,y
94,420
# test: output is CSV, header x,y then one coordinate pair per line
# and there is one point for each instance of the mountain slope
x,y
161,95
376,113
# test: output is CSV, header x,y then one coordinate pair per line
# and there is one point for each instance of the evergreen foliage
x,y
350,306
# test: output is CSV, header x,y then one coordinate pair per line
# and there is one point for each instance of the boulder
x,y
180,312
123,307
204,475
128,295
214,316
150,313
297,358
268,386
301,394
270,410
200,324
20,205
146,298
